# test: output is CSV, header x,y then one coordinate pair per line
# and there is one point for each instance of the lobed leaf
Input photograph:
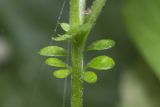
x,y
55,62
62,37
90,77
101,44
63,73
65,26
101,63
52,51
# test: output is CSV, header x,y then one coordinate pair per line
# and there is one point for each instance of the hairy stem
x,y
77,82
77,8
77,12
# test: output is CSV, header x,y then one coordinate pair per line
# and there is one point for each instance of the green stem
x,y
77,82
77,8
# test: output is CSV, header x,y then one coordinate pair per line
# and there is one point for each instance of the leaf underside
x,y
62,37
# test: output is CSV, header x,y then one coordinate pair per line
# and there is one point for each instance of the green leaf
x,y
52,51
90,77
63,73
101,44
101,63
142,19
65,26
55,62
62,37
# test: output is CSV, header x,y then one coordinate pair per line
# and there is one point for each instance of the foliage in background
x,y
142,18
23,82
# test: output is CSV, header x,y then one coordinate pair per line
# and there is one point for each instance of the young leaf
x,y
55,62
101,44
52,51
62,37
63,73
101,63
90,77
65,26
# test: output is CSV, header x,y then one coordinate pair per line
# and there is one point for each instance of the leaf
x,y
62,37
142,19
90,77
52,51
65,26
101,44
101,63
63,73
55,62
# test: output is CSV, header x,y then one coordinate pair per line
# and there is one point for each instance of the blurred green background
x,y
27,25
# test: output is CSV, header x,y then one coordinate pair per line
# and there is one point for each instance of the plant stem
x,y
77,82
77,12
77,8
